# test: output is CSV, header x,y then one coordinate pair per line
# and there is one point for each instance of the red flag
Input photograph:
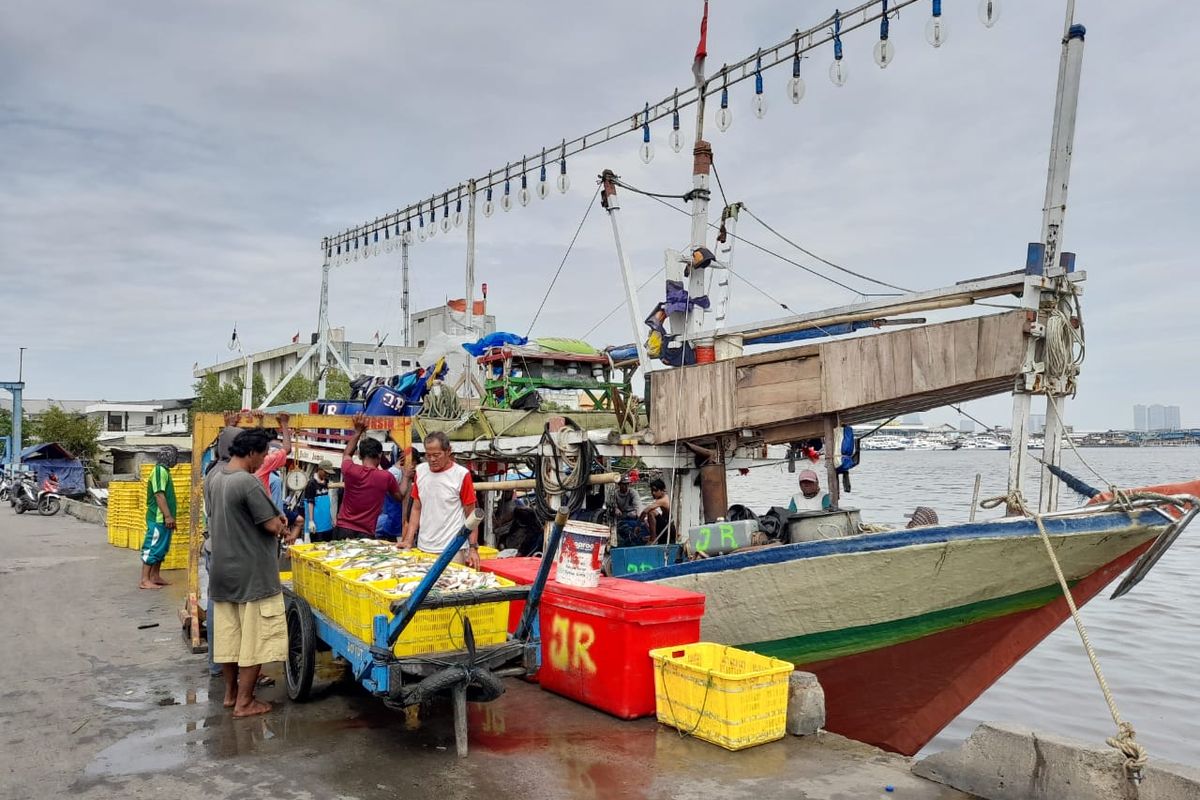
x,y
296,338
702,47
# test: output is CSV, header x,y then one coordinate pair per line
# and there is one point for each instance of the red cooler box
x,y
596,642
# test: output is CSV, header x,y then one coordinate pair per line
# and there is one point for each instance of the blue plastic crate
x,y
631,560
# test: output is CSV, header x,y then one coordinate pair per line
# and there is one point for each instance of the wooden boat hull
x,y
906,629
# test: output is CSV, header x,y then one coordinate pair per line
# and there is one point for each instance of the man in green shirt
x,y
160,518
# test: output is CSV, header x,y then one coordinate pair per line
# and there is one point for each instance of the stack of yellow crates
x,y
181,476
126,514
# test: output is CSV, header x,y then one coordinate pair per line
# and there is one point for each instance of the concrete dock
x,y
102,700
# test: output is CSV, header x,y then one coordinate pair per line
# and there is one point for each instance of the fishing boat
x,y
904,628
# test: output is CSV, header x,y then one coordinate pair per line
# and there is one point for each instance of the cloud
x,y
170,169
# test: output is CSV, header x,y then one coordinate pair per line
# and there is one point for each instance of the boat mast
x,y
1046,287
404,289
702,156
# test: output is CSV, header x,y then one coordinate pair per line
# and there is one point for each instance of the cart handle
x,y
524,629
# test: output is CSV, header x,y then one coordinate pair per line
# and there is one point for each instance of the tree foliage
x,y
216,397
76,432
337,386
298,390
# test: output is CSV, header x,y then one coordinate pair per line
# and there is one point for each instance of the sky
x,y
170,169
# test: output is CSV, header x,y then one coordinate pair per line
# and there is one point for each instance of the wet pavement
x,y
94,704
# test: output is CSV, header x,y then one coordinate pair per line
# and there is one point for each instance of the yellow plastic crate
x,y
485,553
117,536
436,630
730,697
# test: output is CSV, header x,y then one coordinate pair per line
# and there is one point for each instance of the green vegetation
x,y
73,431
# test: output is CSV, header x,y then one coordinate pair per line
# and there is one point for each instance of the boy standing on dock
x,y
160,518
250,629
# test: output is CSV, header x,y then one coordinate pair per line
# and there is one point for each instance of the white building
x,y
363,358
117,419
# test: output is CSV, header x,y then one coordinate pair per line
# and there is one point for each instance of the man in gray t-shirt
x,y
244,525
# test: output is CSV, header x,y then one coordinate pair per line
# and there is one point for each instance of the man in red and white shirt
x,y
443,496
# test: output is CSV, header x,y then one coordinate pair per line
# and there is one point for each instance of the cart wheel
x,y
302,648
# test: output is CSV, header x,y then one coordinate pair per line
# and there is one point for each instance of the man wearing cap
x,y
810,497
318,513
160,518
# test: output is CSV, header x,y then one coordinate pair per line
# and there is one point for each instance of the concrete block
x,y
806,704
1002,761
86,512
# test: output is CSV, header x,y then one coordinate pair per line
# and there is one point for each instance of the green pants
x,y
156,544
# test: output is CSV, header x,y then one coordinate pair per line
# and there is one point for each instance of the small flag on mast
x,y
296,338
702,47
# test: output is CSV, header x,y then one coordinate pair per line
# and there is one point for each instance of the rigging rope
x,y
769,252
621,304
809,253
561,264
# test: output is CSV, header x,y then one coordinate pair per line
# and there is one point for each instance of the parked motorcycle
x,y
26,496
5,488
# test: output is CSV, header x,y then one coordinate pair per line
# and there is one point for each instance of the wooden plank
x,y
807,393
778,372
753,416
793,431
966,352
902,371
922,364
773,356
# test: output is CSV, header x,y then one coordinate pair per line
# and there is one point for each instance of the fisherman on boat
x,y
631,530
657,515
810,497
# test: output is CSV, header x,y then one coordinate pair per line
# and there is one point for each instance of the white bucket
x,y
581,554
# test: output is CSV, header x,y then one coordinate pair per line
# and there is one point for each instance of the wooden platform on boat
x,y
789,394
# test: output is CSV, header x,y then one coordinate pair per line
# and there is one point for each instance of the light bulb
x,y
446,224
796,89
760,105
837,72
564,182
724,118
523,196
506,202
646,152
388,246
935,31
432,228
989,12
408,237
458,219
376,249
489,208
421,232
675,139
885,51
543,190
356,255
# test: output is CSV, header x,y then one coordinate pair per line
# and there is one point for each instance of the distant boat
x,y
884,442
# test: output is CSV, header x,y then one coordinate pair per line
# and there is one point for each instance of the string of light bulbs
x,y
397,226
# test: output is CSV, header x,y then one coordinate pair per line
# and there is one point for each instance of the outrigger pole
x,y
1041,300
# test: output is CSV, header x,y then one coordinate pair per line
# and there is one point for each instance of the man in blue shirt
x,y
318,514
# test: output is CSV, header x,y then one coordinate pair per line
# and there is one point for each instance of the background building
x,y
1140,423
363,358
1156,418
1037,423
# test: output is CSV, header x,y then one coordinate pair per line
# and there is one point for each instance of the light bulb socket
x,y
937,8
796,66
724,97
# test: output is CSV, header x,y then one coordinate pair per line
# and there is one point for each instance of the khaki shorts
x,y
248,634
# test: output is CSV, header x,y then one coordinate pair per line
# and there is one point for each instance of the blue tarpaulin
x,y
52,457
